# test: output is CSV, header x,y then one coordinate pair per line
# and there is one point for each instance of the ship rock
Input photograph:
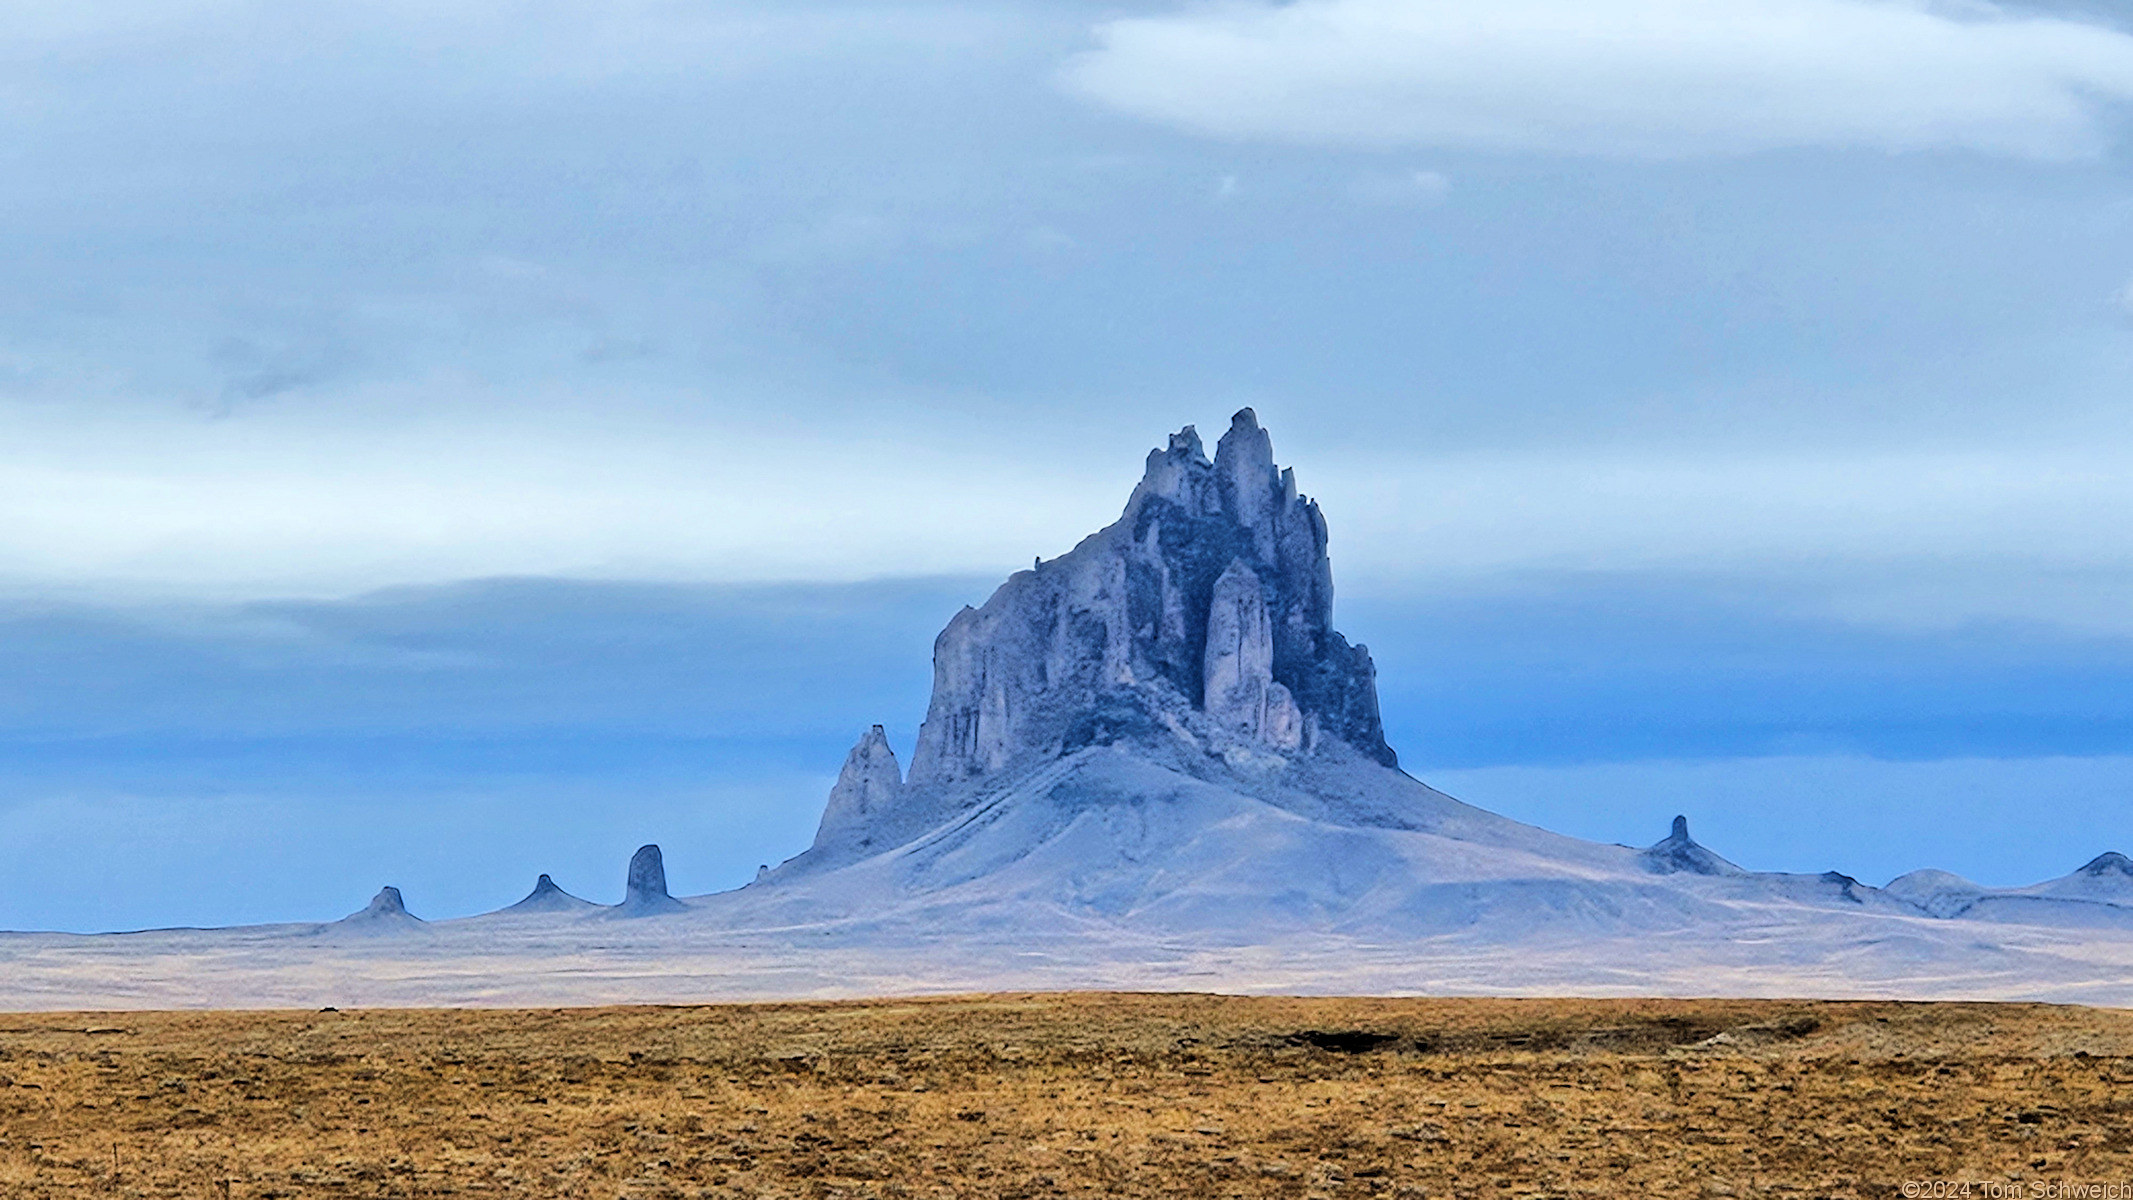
x,y
1162,730
1200,623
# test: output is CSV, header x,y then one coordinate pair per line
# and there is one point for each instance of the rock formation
x,y
866,788
1678,852
386,903
1237,675
384,914
1199,623
1208,603
546,897
646,892
1847,887
2110,862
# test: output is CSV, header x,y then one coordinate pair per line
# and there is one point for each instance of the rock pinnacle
x,y
646,891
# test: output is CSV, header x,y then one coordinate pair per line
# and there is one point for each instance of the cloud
x,y
511,659
1621,78
1409,188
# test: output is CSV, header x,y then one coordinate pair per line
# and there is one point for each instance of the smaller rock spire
x,y
1678,852
384,913
866,788
387,902
646,892
547,897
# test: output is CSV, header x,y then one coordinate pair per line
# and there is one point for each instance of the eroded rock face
x,y
1211,597
866,788
385,912
646,891
1237,685
1678,852
1237,666
386,903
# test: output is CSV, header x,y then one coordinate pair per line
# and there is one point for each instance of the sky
x,y
441,443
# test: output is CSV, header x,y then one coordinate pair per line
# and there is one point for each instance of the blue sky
x,y
441,443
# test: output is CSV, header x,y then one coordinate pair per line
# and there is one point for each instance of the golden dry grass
x,y
1005,1096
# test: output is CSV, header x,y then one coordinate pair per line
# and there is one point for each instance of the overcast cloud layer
x,y
1634,78
1757,358
315,301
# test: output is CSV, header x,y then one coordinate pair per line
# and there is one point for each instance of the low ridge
x,y
2110,862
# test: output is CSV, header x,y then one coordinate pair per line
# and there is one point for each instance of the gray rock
x,y
2110,862
1207,605
386,903
866,788
546,897
646,892
1238,664
1237,673
385,913
1678,852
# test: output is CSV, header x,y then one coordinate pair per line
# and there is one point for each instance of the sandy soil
x,y
1133,1095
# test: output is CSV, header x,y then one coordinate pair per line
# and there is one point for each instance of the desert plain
x,y
1075,1094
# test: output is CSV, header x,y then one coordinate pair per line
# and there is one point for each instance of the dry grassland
x,y
1007,1096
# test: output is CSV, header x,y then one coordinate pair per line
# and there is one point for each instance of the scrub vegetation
x,y
1068,1094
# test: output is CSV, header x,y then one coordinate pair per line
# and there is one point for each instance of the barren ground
x,y
1135,1095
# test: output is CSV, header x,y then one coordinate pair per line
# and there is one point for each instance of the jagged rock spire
x,y
867,787
1126,636
646,891
386,903
1678,852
